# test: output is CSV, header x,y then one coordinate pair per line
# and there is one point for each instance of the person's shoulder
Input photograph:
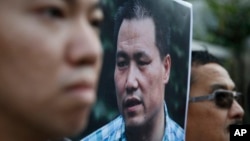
x,y
175,126
110,131
175,132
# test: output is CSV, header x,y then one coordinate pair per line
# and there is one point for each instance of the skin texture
x,y
141,75
50,59
206,121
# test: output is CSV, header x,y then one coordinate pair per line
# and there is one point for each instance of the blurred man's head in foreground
x,y
50,59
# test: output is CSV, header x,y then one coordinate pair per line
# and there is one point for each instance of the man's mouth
x,y
132,102
237,122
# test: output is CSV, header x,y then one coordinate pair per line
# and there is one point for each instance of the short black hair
x,y
158,10
203,57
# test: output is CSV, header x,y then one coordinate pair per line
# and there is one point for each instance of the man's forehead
x,y
78,3
134,28
213,75
71,1
213,69
136,34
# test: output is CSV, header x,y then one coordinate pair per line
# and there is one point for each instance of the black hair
x,y
158,10
203,57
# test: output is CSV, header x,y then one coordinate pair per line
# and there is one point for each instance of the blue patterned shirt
x,y
115,131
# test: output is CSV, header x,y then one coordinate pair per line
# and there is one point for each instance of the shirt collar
x,y
166,129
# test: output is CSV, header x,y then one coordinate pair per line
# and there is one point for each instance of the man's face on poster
x,y
140,73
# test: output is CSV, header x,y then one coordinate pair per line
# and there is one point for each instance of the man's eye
x,y
96,23
122,64
143,63
96,18
52,12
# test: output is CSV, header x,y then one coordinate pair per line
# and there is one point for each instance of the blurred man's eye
x,y
96,18
52,12
96,23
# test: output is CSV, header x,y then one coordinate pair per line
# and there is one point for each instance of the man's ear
x,y
166,68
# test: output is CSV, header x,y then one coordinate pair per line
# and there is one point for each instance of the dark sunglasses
x,y
222,98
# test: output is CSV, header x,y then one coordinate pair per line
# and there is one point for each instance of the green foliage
x,y
233,21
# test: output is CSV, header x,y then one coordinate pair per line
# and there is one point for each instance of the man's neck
x,y
12,129
152,131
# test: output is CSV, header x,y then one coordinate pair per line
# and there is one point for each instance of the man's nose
x,y
83,46
236,111
132,79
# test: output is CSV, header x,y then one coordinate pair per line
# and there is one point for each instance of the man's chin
x,y
134,122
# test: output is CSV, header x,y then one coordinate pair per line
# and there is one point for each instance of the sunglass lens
x,y
223,99
239,98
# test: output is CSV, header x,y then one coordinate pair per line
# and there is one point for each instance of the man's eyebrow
x,y
121,54
97,5
218,86
70,2
140,54
235,88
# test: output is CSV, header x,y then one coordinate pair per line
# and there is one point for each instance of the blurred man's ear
x,y
167,68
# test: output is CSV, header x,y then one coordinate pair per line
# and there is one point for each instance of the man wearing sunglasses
x,y
212,103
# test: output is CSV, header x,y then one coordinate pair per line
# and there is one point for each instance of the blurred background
x,y
221,27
